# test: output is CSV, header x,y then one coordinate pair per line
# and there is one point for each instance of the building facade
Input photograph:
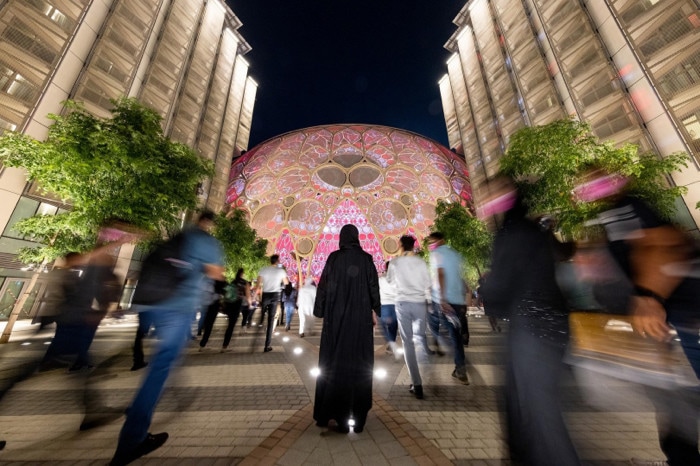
x,y
631,69
184,58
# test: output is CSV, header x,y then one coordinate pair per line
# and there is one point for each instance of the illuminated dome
x,y
300,188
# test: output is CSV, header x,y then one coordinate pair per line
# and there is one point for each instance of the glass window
x,y
9,295
25,208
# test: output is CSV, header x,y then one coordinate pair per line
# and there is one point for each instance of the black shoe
x,y
139,365
301,335
152,442
267,349
2,444
358,429
462,377
417,390
342,429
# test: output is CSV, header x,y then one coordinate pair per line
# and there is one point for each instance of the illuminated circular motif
x,y
300,188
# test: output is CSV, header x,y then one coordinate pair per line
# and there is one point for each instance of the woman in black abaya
x,y
348,301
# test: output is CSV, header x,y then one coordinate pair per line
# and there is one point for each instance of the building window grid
x,y
682,77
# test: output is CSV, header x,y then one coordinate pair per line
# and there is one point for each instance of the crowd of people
x,y
533,284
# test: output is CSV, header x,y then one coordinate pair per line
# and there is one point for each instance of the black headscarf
x,y
349,237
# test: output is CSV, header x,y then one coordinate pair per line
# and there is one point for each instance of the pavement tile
x,y
254,408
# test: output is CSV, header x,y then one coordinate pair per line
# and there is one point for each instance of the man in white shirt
x,y
271,279
410,274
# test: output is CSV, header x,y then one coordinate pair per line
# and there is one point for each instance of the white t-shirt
x,y
272,278
410,274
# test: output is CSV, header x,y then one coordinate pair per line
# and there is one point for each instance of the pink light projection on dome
x,y
300,188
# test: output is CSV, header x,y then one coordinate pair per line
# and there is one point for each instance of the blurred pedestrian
x,y
305,303
661,263
448,295
171,317
289,299
522,283
348,301
243,289
271,279
216,306
390,326
410,274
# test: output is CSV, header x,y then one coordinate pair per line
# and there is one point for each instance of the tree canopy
x,y
547,162
242,246
120,167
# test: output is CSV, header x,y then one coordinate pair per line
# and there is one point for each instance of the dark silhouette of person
x,y
348,301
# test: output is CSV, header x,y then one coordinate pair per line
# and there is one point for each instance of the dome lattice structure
x,y
300,188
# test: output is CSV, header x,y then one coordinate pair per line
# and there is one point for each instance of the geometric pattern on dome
x,y
298,189
347,212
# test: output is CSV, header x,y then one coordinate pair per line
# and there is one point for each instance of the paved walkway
x,y
247,407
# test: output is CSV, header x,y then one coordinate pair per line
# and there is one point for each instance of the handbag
x,y
606,344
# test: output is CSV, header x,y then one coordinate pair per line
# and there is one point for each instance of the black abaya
x,y
348,293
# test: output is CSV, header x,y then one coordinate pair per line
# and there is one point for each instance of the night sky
x,y
347,61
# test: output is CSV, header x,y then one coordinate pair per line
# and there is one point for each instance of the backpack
x,y
231,293
162,272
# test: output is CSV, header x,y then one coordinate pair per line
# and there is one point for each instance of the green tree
x,y
466,234
242,246
547,161
120,167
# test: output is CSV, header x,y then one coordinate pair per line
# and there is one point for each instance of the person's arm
x,y
258,287
214,271
248,294
651,252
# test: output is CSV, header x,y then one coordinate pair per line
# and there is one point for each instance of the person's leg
x,y
540,432
456,340
141,332
289,311
464,323
232,311
210,318
302,321
404,314
173,329
434,319
269,302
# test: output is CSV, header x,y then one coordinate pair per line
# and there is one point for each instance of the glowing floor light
x,y
26,343
298,350
315,372
285,339
351,422
380,373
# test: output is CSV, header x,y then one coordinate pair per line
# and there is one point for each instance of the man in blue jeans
x,y
171,318
448,295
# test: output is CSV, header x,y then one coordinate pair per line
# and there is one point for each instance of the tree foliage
x,y
547,161
120,167
242,246
466,234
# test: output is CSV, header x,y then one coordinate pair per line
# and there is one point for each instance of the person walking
x,y
522,283
289,299
410,274
657,259
245,295
172,319
387,294
305,304
348,301
448,294
270,282
216,306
